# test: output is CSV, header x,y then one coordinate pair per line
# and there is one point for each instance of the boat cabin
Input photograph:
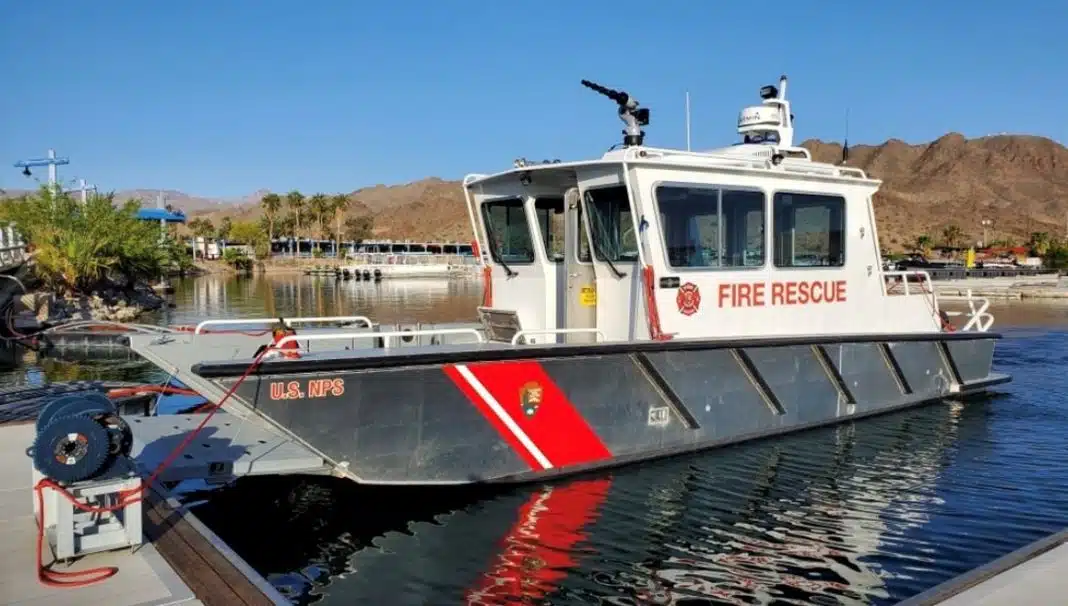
x,y
752,240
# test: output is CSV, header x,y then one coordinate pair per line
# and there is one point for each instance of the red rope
x,y
249,333
653,313
143,389
487,286
90,576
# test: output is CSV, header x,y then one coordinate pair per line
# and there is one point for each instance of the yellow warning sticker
x,y
588,296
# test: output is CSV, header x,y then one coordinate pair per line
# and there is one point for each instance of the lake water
x,y
870,512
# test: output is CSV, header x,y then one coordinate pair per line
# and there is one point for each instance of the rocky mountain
x,y
431,209
1018,182
188,203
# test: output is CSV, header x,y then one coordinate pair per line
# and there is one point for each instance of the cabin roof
x,y
743,158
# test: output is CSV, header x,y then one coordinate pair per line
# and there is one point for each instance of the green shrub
x,y
83,247
237,259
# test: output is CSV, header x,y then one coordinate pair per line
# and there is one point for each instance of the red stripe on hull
x,y
536,553
541,409
491,417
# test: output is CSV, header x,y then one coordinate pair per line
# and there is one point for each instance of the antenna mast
x,y
845,146
687,120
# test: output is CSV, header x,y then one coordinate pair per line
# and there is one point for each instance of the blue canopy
x,y
158,214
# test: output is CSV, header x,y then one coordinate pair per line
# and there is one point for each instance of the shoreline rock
x,y
109,304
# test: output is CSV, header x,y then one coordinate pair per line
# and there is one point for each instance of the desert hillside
x,y
1018,182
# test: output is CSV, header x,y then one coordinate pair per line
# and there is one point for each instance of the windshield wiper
x,y
499,258
618,273
600,251
507,270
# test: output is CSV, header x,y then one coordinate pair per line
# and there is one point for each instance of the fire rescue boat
x,y
646,303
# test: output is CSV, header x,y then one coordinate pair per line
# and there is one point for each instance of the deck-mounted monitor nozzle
x,y
629,112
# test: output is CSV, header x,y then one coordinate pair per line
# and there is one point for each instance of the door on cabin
x,y
613,236
580,285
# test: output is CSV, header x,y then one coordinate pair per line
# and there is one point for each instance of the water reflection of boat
x,y
822,541
802,519
401,288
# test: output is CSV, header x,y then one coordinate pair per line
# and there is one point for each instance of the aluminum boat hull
x,y
531,412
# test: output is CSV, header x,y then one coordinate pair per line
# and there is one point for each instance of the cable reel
x,y
80,437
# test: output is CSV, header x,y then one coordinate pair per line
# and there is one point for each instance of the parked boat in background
x,y
389,259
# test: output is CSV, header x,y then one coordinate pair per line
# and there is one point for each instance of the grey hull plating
x,y
416,423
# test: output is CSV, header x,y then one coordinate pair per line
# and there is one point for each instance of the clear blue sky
x,y
220,98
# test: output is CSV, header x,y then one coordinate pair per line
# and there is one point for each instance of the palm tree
x,y
320,207
202,228
1040,243
339,204
952,235
922,244
271,203
295,202
224,228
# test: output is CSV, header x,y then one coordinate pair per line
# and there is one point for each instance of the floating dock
x,y
1034,574
1047,286
180,561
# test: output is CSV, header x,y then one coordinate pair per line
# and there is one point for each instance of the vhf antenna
x,y
629,113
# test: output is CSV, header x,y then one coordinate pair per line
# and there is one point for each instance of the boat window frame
x,y
768,196
491,241
845,230
548,227
583,234
634,223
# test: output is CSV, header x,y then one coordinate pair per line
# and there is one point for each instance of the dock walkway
x,y
1034,574
181,562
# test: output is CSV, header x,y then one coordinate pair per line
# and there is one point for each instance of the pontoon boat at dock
x,y
645,303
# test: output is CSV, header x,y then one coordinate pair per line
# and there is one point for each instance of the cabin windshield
x,y
711,227
550,213
510,241
611,225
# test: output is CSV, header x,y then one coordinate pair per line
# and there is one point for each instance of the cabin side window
x,y
711,227
809,230
583,246
510,241
611,225
550,213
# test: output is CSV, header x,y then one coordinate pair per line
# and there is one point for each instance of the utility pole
x,y
83,188
51,162
163,285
